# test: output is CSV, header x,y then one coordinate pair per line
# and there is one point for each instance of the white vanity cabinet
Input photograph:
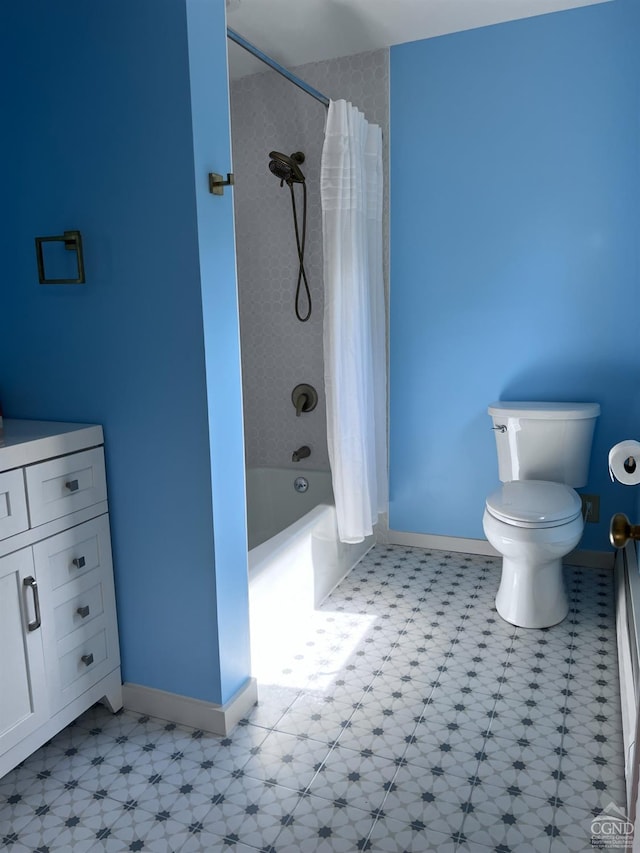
x,y
58,632
23,698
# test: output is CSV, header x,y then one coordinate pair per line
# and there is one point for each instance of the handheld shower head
x,y
287,168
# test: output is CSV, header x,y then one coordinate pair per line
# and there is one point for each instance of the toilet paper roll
x,y
624,462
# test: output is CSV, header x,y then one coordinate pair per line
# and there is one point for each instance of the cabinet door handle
x,y
72,485
31,582
79,562
87,660
83,611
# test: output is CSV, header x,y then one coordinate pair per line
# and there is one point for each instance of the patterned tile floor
x,y
410,717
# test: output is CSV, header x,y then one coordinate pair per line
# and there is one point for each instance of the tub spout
x,y
301,453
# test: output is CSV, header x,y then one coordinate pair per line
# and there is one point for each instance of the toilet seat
x,y
534,504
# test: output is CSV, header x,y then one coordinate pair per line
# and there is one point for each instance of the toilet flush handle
x,y
501,427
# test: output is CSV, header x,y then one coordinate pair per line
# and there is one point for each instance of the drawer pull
x,y
79,562
87,660
72,485
83,611
31,582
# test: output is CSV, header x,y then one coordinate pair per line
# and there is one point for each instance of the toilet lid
x,y
534,503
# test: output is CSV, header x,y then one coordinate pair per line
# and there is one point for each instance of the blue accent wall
x,y
515,230
220,312
114,103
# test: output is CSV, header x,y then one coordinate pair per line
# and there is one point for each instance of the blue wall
x,y
514,250
220,314
108,97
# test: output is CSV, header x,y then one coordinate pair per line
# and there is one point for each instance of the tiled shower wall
x,y
278,351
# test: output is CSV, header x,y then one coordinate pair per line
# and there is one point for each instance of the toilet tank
x,y
544,441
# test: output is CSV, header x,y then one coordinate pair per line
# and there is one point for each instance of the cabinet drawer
x,y
80,610
83,660
64,485
71,555
75,572
13,504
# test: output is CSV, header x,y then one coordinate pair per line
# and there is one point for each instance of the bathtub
x,y
295,556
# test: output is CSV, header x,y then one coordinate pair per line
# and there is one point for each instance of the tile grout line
x,y
332,746
450,653
473,611
486,738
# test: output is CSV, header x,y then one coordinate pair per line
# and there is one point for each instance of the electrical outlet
x,y
591,508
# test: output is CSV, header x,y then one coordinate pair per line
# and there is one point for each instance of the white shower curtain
x,y
354,319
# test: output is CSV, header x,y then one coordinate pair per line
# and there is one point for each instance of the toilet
x,y
535,518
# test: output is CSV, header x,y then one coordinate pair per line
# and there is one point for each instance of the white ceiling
x,y
294,32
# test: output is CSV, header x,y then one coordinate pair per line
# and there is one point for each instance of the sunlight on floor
x,y
304,653
403,714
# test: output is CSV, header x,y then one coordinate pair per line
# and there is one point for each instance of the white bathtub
x,y
295,556
273,503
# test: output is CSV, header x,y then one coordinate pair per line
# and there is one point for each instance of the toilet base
x,y
532,596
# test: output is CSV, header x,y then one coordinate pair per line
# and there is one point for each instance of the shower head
x,y
287,168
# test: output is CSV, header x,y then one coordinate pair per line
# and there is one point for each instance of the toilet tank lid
x,y
559,411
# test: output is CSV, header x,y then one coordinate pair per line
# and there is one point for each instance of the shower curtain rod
x,y
238,39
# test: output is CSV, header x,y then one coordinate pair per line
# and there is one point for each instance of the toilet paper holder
x,y
624,462
621,530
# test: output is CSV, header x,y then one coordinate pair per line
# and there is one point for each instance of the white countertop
x,y
24,442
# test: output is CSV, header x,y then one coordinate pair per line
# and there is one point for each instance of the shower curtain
x,y
354,319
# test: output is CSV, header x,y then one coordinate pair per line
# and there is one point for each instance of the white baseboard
x,y
442,543
186,711
591,559
430,541
381,530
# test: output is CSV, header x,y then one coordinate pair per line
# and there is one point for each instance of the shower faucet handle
x,y
304,398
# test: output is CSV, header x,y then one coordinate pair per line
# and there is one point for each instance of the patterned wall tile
x,y
278,352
